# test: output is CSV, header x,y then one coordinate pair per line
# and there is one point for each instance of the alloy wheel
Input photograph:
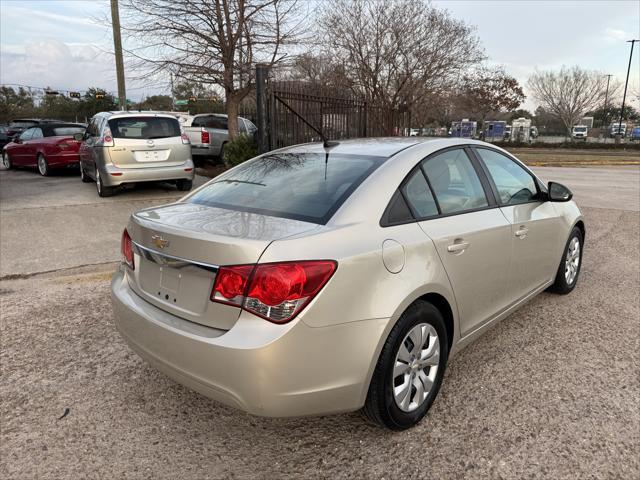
x,y
42,166
572,261
98,182
415,367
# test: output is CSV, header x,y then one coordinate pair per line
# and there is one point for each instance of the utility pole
x,y
626,83
173,98
117,43
606,97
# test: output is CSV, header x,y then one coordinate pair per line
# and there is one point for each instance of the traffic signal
x,y
99,96
74,94
51,92
193,99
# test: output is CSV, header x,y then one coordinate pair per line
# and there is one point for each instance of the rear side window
x,y
301,186
60,131
417,192
27,134
513,183
147,128
455,182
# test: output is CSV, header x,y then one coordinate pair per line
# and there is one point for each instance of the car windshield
x,y
146,128
301,186
580,129
60,131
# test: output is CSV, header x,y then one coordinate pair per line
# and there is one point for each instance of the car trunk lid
x,y
179,247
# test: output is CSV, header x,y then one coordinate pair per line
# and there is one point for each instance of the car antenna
x,y
326,143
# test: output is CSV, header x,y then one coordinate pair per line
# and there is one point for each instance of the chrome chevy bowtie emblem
x,y
159,242
150,143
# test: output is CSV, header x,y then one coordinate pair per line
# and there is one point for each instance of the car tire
x,y
384,405
83,175
6,161
43,166
570,264
184,185
103,191
221,154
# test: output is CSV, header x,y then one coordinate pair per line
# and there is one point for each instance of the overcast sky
x,y
62,44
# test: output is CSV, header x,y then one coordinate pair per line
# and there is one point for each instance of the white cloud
x,y
614,35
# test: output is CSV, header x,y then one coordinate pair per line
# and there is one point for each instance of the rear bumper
x,y
63,159
205,150
259,367
113,176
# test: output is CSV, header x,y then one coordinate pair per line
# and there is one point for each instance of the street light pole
x,y
626,83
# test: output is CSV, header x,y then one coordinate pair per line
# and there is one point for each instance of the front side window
x,y
144,128
417,192
513,183
27,134
455,182
301,186
37,133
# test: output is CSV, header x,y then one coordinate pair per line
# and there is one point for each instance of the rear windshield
x,y
146,128
580,129
301,186
60,131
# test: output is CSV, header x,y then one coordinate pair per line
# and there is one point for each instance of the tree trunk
x,y
232,114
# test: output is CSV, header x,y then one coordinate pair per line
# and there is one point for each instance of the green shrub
x,y
236,151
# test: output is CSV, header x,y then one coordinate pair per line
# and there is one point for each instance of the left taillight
x,y
126,248
184,137
274,291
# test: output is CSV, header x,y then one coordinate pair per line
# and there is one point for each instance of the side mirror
x,y
16,139
559,193
78,136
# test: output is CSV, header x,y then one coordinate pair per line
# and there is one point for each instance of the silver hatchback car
x,y
315,280
121,148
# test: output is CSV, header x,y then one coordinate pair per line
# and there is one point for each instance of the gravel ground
x,y
551,392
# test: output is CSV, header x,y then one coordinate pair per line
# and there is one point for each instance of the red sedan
x,y
46,146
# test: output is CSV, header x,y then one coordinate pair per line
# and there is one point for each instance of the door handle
x,y
522,232
458,247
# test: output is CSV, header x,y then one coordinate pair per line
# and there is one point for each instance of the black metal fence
x,y
291,106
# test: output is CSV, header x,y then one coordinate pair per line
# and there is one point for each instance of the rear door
x,y
145,142
472,237
535,224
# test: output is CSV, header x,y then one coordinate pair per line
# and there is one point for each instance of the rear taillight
x,y
107,138
126,247
204,136
274,291
67,144
184,137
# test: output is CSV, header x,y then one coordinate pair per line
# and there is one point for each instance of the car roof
x,y
122,114
380,146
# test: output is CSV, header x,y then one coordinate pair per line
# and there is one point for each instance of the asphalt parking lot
x,y
550,392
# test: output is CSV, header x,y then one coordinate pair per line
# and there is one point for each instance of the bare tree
x,y
489,90
569,93
396,52
212,42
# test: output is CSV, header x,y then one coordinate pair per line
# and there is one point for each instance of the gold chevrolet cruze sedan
x,y
313,279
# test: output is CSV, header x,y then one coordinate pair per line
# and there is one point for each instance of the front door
x,y
535,225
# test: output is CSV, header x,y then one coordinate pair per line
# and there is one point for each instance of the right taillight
x,y
274,291
204,136
126,248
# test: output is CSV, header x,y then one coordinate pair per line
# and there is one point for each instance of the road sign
x,y
182,102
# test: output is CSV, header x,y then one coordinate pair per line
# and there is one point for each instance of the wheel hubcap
x,y
5,160
41,165
415,367
572,261
98,181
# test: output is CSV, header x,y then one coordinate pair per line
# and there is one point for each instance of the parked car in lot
x,y
209,132
579,132
122,148
4,135
311,280
46,146
19,125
